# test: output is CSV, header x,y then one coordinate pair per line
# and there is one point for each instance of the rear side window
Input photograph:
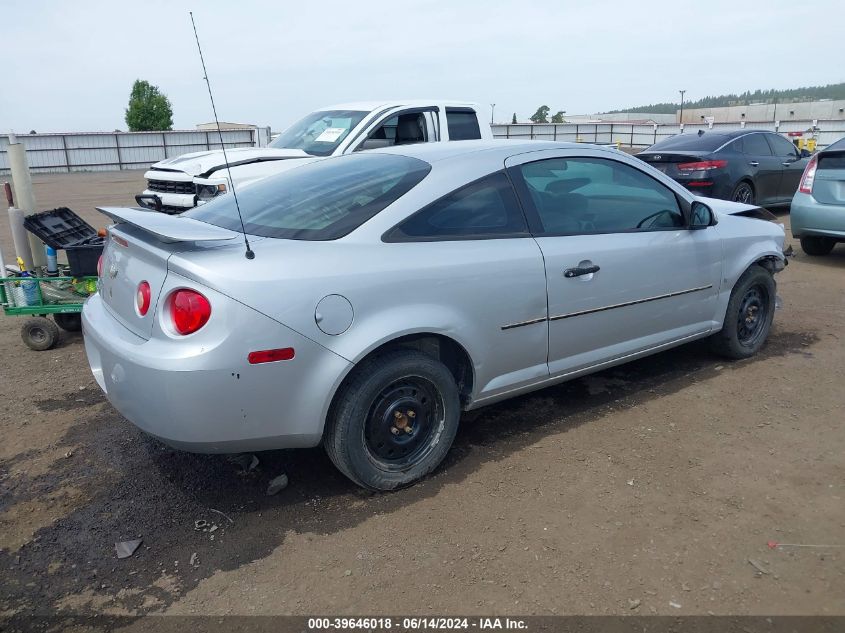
x,y
756,145
463,124
780,146
484,209
321,201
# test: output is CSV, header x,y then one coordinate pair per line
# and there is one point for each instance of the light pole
x,y
682,106
492,110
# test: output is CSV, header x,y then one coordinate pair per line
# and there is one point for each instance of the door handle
x,y
569,273
786,163
754,163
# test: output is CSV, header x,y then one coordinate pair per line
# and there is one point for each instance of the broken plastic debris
x,y
277,484
125,549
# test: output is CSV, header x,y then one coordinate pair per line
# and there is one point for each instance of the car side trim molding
x,y
510,326
678,293
568,315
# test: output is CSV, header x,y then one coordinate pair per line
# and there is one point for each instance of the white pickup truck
x,y
178,184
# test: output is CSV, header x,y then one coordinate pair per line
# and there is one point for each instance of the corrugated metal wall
x,y
111,151
637,135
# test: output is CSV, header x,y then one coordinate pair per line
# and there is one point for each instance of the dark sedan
x,y
750,166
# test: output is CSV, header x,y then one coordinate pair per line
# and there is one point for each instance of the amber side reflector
x,y
271,355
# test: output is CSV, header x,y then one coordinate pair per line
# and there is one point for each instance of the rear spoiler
x,y
168,228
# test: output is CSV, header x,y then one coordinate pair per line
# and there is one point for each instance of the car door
x,y
765,167
471,250
623,273
791,165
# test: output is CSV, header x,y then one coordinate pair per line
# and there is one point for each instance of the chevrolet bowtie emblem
x,y
112,270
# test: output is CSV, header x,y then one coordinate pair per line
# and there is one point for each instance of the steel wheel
x,y
743,193
402,421
753,315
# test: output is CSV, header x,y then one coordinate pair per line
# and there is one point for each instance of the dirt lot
x,y
654,482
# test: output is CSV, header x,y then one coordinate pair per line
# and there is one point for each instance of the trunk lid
x,y
829,183
138,249
668,162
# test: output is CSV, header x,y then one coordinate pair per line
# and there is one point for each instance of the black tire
x,y
743,192
69,322
39,333
817,245
404,390
748,318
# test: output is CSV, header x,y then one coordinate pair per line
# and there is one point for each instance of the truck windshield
x,y
320,132
324,200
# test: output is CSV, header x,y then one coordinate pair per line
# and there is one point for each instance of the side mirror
x,y
701,216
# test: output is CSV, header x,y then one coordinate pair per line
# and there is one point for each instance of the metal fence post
x,y
117,147
207,142
67,159
632,134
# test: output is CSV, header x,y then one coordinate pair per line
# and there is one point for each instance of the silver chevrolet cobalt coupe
x,y
391,290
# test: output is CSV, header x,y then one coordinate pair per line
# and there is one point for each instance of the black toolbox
x,y
62,229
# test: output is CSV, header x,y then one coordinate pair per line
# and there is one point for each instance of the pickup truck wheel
x,y
814,245
748,318
394,420
39,333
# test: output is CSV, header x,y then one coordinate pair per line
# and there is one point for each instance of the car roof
x,y
433,152
369,106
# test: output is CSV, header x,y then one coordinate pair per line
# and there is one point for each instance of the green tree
x,y
148,109
513,120
541,115
558,117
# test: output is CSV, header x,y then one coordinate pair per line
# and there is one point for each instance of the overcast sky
x,y
69,65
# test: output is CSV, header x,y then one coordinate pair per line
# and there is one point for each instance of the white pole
x,y
19,237
25,197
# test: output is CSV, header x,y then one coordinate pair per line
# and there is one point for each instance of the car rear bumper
x,y
204,396
710,186
809,217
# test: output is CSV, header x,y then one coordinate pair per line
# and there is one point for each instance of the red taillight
x,y
703,165
189,311
100,266
271,355
142,298
809,175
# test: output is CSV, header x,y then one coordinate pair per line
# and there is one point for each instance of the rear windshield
x,y
837,146
320,201
706,142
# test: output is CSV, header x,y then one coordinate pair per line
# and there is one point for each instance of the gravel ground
x,y
648,488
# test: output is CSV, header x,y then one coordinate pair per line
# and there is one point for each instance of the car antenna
x,y
249,254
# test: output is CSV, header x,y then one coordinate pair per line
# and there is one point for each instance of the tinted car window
x,y
780,146
736,146
597,195
320,201
707,142
838,145
483,209
756,145
463,124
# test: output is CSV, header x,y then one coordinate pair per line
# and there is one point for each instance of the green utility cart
x,y
36,297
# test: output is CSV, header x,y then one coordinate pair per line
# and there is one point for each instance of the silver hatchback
x,y
391,290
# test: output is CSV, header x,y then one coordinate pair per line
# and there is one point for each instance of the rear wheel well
x,y
442,348
748,181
